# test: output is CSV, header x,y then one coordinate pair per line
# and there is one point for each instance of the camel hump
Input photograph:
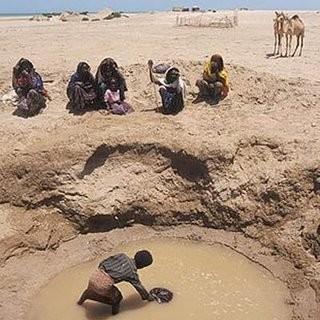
x,y
295,17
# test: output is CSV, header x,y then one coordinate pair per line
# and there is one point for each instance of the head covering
x,y
215,59
22,65
143,259
108,69
172,75
173,80
83,72
83,67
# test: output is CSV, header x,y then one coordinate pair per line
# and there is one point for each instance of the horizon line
x,y
146,10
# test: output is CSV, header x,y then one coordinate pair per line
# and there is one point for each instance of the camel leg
x,y
275,44
302,39
287,45
290,44
280,46
278,42
297,46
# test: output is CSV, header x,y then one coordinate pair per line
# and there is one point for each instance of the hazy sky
x,y
23,6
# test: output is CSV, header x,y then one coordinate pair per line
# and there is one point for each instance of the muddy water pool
x,y
208,282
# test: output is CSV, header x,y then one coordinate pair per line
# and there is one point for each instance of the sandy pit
x,y
244,174
206,280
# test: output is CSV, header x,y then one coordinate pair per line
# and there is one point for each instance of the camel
x,y
293,27
278,28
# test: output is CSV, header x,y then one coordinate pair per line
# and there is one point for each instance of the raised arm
x,y
153,78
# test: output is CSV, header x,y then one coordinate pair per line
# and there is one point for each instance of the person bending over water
x,y
107,71
214,82
28,85
81,88
115,269
172,89
113,101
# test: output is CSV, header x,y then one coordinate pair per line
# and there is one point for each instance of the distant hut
x,y
103,14
40,18
195,9
70,16
113,15
180,9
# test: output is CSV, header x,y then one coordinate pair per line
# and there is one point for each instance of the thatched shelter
x,y
108,14
71,16
103,14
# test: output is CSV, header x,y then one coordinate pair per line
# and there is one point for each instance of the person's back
x,y
120,267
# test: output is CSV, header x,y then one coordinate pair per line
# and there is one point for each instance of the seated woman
x,y
107,71
81,89
28,85
113,101
172,90
214,83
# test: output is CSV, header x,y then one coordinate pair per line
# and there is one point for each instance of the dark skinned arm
x,y
145,295
209,79
153,78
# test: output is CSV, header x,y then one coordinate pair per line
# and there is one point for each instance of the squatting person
x,y
115,269
214,83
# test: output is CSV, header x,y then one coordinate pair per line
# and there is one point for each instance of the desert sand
x,y
245,173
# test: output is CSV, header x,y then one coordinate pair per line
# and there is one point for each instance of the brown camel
x,y
278,28
294,27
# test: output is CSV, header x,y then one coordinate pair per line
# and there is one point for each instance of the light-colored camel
x,y
293,27
278,28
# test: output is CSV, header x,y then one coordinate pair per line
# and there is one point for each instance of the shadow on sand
x,y
81,112
271,55
23,114
161,110
277,56
208,100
